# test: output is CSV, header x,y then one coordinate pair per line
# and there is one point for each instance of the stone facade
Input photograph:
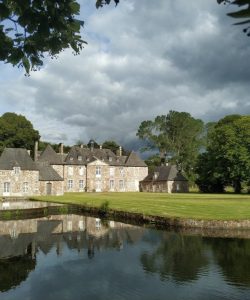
x,y
55,188
19,182
98,176
164,186
98,170
164,179
81,170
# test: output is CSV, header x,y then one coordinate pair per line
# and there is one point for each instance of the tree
x,y
112,145
17,131
31,29
177,135
227,159
241,14
178,257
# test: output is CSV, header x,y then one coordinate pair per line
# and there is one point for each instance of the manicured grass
x,y
188,206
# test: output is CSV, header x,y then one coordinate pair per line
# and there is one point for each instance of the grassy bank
x,y
188,206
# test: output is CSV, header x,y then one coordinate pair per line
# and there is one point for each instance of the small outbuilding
x,y
164,179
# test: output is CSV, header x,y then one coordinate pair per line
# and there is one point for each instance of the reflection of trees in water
x,y
15,270
233,256
178,257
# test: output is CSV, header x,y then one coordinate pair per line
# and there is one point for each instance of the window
x,y
71,158
121,185
111,185
122,171
25,187
79,157
69,226
81,184
81,225
16,170
70,184
156,175
98,223
110,159
98,171
112,171
98,186
81,171
6,187
70,171
177,187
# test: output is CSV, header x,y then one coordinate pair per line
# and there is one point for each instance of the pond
x,y
80,257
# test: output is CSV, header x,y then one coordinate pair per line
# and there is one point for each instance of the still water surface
x,y
78,257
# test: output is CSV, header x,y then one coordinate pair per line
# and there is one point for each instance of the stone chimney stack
x,y
28,152
120,151
36,151
101,147
81,146
61,148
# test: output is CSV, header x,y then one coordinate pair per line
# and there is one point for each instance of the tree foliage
x,y
31,29
227,159
177,135
240,14
112,145
17,131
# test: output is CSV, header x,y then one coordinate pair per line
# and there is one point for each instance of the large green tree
x,y
17,131
227,159
177,135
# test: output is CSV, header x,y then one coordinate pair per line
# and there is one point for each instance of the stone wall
x,y
72,176
57,187
114,178
164,186
25,183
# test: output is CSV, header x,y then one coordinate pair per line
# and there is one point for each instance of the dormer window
x,y
71,158
121,171
156,175
110,158
79,157
16,170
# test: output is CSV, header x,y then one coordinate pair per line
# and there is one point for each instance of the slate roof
x,y
83,156
165,173
134,160
16,157
47,173
49,155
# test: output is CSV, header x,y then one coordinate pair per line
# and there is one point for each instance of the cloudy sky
x,y
143,59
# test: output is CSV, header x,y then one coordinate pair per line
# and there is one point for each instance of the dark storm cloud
x,y
143,59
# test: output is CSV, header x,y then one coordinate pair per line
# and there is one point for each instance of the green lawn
x,y
188,206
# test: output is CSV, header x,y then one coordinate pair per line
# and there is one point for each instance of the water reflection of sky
x,y
145,266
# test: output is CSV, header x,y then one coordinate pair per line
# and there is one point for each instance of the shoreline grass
x,y
185,206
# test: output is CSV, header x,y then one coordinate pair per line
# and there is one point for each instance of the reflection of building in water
x,y
17,238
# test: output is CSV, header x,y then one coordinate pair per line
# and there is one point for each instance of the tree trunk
x,y
237,186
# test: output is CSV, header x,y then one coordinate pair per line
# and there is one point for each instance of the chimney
x,y
101,147
61,148
36,151
28,152
81,146
120,151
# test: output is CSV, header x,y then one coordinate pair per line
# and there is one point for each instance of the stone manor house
x,y
79,170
